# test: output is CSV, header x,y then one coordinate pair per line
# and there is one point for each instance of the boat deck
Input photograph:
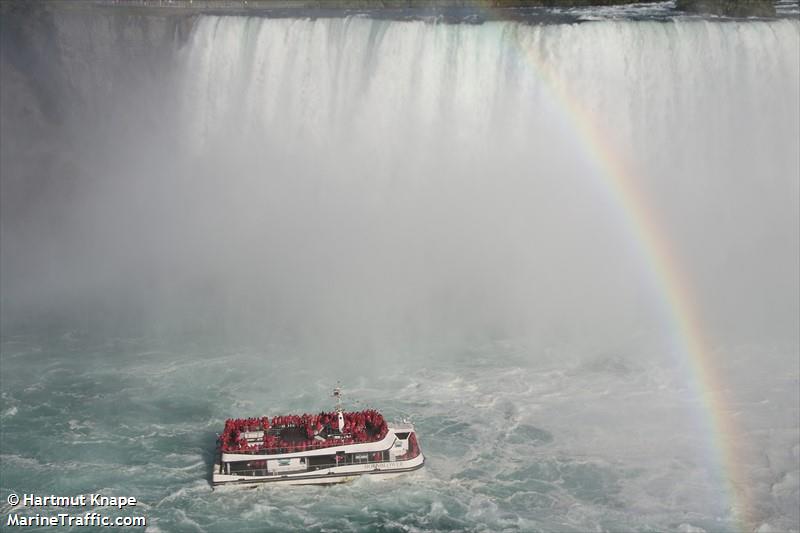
x,y
298,433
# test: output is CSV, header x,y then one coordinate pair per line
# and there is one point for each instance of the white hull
x,y
326,476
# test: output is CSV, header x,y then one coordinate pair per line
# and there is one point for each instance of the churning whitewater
x,y
207,217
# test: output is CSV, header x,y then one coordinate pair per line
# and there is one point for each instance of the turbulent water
x,y
215,216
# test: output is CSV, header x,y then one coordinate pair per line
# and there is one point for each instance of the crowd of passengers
x,y
362,426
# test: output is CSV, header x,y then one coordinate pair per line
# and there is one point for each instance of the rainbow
x,y
618,178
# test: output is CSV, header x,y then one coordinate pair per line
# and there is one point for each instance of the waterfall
x,y
410,179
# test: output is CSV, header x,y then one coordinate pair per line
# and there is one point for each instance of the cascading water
x,y
451,218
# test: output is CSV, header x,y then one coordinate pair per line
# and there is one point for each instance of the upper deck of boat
x,y
299,433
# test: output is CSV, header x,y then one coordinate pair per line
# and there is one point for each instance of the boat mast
x,y
337,393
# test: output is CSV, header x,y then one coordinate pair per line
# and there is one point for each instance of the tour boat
x,y
318,449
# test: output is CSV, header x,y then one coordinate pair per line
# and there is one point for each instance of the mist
x,y
357,182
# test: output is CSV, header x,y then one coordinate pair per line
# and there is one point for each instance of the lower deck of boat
x,y
328,476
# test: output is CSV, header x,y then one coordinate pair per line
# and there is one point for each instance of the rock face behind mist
x,y
386,3
729,8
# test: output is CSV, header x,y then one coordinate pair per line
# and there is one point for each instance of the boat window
x,y
321,461
402,436
247,468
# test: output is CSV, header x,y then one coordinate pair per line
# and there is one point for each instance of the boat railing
x,y
256,448
260,450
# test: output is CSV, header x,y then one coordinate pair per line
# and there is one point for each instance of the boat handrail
x,y
256,449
